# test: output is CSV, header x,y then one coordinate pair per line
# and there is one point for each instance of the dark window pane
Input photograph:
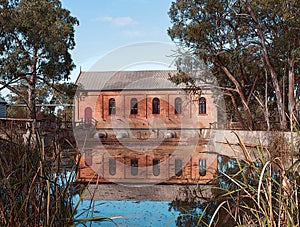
x,y
133,106
155,106
112,166
178,167
134,163
112,107
202,106
202,167
156,167
178,106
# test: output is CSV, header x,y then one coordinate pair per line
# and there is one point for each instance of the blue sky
x,y
106,25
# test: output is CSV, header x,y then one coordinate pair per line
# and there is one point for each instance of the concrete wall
x,y
228,142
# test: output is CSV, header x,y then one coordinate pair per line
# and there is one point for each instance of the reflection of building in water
x,y
138,127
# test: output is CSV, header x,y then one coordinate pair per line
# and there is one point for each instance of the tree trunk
x,y
238,114
291,93
31,102
242,96
267,115
279,98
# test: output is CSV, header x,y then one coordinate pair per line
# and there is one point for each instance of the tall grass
x,y
260,192
38,186
34,189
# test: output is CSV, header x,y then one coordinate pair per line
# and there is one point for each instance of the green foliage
x,y
248,45
36,37
64,93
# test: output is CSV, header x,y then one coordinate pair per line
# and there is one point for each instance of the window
x,y
112,166
133,106
134,163
178,106
178,167
202,106
156,167
155,106
202,167
112,107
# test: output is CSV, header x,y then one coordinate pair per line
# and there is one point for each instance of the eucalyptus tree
x,y
250,46
35,43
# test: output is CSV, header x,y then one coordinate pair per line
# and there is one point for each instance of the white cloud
x,y
131,33
117,21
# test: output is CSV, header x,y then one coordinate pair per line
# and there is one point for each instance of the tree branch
x,y
241,120
252,88
7,84
50,85
12,89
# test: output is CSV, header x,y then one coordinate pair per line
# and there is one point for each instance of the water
x,y
133,213
134,206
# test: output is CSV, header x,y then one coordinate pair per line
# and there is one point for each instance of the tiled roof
x,y
126,80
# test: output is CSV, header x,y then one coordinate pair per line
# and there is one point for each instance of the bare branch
x,y
12,89
7,84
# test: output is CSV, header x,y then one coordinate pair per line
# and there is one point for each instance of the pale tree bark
x,y
31,102
278,94
239,90
291,92
32,81
267,115
238,114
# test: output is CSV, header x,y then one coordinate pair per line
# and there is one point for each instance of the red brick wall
x,y
190,116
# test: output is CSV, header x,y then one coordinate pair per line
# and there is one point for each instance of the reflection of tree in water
x,y
197,206
191,213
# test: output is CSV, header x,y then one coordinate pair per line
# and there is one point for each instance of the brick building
x,y
138,127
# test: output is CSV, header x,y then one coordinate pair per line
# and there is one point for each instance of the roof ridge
x,y
144,70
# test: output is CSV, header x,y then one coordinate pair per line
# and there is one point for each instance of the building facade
x,y
138,127
3,105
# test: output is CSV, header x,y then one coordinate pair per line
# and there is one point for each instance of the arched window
x,y
134,163
133,106
111,106
178,106
202,167
112,166
202,106
178,167
156,167
155,106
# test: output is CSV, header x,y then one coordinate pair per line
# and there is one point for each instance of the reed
x,y
37,188
259,192
34,189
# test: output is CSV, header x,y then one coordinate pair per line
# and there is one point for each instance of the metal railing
x,y
24,124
